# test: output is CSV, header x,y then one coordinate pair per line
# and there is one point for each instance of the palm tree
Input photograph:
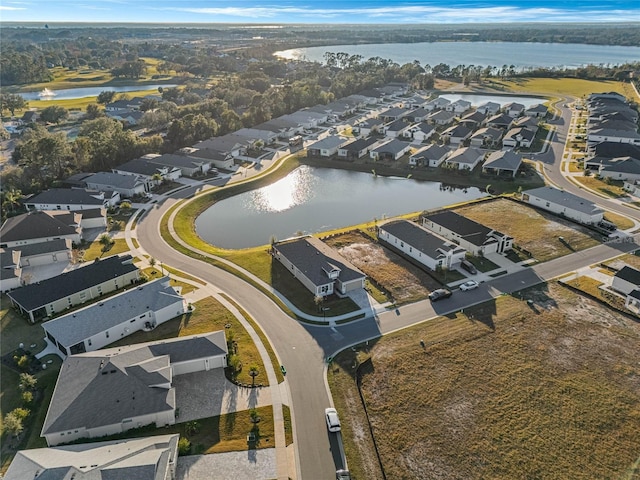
x,y
254,372
11,199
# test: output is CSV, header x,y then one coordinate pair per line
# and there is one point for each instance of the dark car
x,y
343,475
439,294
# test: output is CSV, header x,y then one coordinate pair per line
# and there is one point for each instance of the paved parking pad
x,y
208,394
248,465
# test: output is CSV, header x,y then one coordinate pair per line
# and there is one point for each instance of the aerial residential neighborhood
x,y
234,259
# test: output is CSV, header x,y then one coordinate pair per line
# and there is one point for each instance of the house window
x,y
107,333
402,244
89,342
410,249
547,204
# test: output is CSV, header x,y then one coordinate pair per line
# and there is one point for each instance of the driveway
x,y
208,394
247,465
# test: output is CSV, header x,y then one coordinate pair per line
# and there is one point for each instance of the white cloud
x,y
4,7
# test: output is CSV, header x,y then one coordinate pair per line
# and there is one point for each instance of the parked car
x,y
333,422
468,266
439,294
343,475
469,285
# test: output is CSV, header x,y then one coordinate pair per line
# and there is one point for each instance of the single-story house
x,y
394,113
473,119
441,117
613,135
10,269
45,253
503,161
306,118
153,458
215,159
420,245
621,168
110,391
465,158
189,166
30,116
326,147
283,127
489,108
538,110
368,126
127,186
40,226
500,120
229,144
514,109
632,187
256,134
390,151
486,137
459,106
89,217
318,267
626,280
397,128
456,134
75,287
632,302
418,115
429,156
124,104
613,150
70,199
146,169
564,204
130,117
437,104
421,132
357,148
531,123
518,137
474,237
100,324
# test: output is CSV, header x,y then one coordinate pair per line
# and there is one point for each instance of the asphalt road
x,y
304,348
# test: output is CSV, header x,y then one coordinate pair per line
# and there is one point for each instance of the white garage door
x,y
198,365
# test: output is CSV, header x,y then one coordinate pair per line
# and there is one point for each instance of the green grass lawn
x,y
565,86
95,250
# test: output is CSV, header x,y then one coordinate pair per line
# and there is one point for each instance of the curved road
x,y
304,348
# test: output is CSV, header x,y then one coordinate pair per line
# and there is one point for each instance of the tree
x,y
254,372
152,263
106,241
12,102
13,424
93,112
54,114
27,382
10,200
192,427
106,97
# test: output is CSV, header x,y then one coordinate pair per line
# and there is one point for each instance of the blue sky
x,y
316,11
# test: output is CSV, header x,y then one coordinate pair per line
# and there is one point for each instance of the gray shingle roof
x,y
84,323
505,160
394,147
44,247
111,179
471,231
34,225
314,258
64,196
33,296
569,200
466,155
329,142
431,152
359,144
629,274
419,238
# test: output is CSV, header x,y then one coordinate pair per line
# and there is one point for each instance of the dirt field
x,y
533,230
404,281
511,391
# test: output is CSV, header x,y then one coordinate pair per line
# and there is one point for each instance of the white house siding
x,y
631,177
170,311
313,288
455,238
61,206
623,286
97,222
351,285
46,258
562,210
199,365
75,238
410,251
9,284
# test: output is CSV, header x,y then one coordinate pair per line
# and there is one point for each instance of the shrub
x,y
27,397
184,446
23,362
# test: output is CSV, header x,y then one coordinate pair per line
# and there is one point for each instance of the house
x,y
418,115
368,127
397,128
393,114
421,132
420,245
474,237
89,218
414,101
113,390
75,287
459,106
44,253
456,134
130,117
100,324
632,187
40,226
10,269
465,158
306,118
613,150
626,280
632,302
501,120
538,111
326,147
229,144
124,105
70,199
613,135
486,137
254,135
390,151
214,159
606,95
282,127
473,119
30,116
441,117
518,137
429,156
319,268
152,458
531,123
621,168
128,186
513,109
564,204
503,162
189,166
437,104
489,108
357,148
147,170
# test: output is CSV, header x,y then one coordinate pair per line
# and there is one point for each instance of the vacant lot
x,y
402,280
512,390
533,230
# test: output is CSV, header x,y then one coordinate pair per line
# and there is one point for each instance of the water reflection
x,y
295,189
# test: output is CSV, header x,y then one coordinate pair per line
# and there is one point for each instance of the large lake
x,y
82,92
313,199
519,54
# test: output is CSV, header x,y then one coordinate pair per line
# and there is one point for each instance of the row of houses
x,y
611,119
